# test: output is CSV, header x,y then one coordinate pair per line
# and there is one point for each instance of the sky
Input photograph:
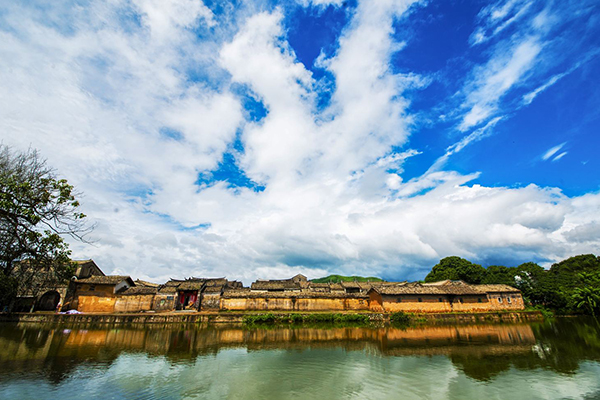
x,y
261,139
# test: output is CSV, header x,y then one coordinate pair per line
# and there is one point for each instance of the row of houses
x,y
94,292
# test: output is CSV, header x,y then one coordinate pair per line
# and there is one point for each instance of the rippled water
x,y
526,361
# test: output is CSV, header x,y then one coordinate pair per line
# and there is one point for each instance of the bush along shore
x,y
307,319
397,319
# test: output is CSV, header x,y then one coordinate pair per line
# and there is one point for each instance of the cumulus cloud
x,y
134,110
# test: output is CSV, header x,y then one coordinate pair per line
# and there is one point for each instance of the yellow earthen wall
x,y
412,304
134,303
516,301
472,304
287,304
95,303
164,302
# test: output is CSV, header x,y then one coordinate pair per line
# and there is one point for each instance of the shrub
x,y
400,318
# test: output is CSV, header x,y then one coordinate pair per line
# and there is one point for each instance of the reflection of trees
x,y
560,346
481,351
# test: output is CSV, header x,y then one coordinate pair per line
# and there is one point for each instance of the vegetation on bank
x,y
342,278
571,286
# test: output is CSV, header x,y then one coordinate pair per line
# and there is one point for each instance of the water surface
x,y
557,360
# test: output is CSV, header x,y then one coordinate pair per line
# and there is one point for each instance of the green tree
x,y
499,274
455,268
587,299
36,210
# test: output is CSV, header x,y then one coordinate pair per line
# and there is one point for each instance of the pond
x,y
550,360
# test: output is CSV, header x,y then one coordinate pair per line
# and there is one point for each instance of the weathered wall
x,y
134,303
164,302
293,304
95,303
516,301
411,303
471,303
210,301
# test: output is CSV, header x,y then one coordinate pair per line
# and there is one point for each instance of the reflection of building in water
x,y
481,351
31,344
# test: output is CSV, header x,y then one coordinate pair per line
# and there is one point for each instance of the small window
x,y
479,300
440,300
508,300
92,288
399,300
420,300
170,297
499,299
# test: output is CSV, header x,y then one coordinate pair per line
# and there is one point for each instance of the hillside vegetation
x,y
342,278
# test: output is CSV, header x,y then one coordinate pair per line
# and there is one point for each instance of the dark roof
x,y
213,289
167,289
276,285
350,285
137,290
106,280
191,284
139,282
446,288
499,288
216,281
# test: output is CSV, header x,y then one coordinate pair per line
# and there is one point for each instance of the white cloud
x,y
494,79
558,157
552,151
96,93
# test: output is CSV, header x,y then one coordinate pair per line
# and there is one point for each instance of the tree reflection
x,y
482,352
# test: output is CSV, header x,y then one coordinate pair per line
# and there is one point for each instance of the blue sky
x,y
263,138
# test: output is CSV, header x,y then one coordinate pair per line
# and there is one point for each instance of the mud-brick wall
x,y
506,301
293,304
164,301
95,303
471,303
210,301
134,303
410,303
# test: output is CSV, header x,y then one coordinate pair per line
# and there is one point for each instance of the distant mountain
x,y
341,278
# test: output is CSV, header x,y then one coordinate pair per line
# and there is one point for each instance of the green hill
x,y
341,278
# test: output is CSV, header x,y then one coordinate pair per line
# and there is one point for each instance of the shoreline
x,y
210,318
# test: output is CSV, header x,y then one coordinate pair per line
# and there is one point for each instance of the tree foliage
x,y
36,210
456,268
570,286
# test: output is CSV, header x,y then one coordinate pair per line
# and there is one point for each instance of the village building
x,y
99,293
293,300
41,289
443,296
503,297
92,291
296,283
